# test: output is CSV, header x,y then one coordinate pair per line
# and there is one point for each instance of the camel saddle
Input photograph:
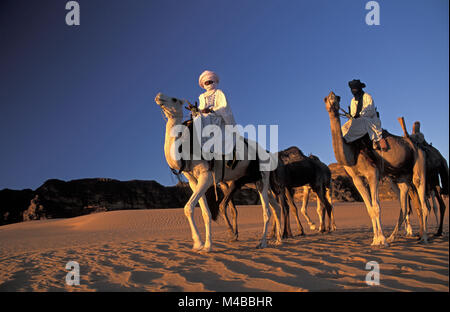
x,y
229,164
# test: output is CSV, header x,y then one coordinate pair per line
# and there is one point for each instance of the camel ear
x,y
325,99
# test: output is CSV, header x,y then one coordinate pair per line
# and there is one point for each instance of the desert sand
x,y
150,250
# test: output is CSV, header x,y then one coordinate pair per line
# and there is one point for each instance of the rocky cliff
x,y
60,199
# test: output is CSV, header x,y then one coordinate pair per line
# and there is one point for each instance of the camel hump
x,y
314,157
291,154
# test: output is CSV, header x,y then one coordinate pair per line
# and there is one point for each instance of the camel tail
x,y
213,204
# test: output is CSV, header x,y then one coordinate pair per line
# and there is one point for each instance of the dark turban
x,y
356,84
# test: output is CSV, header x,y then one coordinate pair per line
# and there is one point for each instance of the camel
x,y
320,208
437,167
298,170
403,163
201,177
307,171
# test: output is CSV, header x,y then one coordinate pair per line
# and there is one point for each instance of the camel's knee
x,y
188,210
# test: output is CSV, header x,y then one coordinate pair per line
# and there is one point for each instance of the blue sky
x,y
78,102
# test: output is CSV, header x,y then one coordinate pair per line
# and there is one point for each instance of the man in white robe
x,y
214,110
364,118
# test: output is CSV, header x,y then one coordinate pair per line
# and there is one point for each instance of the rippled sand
x,y
150,250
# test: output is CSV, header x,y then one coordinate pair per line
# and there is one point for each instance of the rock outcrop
x,y
60,199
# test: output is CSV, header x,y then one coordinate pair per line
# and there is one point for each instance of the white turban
x,y
207,75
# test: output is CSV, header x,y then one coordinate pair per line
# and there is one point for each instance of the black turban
x,y
356,84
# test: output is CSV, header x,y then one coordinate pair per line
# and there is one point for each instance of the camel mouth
x,y
158,99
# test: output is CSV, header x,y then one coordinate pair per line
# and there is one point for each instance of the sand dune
x,y
150,250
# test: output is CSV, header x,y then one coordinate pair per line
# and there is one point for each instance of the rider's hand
x,y
206,110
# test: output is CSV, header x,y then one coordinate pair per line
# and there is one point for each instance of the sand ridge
x,y
150,250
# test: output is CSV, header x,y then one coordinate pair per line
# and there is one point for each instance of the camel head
x,y
332,103
172,107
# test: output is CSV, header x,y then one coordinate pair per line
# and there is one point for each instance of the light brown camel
x,y
403,163
201,177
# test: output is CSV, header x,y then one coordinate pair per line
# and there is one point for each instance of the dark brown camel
x,y
298,170
294,170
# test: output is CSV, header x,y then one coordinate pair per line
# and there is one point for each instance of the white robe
x,y
221,116
367,122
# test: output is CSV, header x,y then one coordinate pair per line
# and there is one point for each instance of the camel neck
x,y
343,152
169,143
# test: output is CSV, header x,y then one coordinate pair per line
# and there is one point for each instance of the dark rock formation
x,y
13,204
60,199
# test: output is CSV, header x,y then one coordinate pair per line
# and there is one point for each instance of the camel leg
x,y
364,192
419,180
320,208
228,191
234,215
321,214
323,206
401,190
442,213
263,187
408,227
373,180
292,206
287,222
434,205
199,188
206,214
276,211
278,207
414,198
329,198
306,193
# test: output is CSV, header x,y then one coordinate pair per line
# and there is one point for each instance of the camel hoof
x,y
261,245
197,247
205,250
390,239
380,243
233,238
278,243
438,234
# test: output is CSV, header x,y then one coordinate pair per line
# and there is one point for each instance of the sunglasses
x,y
207,83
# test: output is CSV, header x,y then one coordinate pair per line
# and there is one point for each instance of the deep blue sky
x,y
78,102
